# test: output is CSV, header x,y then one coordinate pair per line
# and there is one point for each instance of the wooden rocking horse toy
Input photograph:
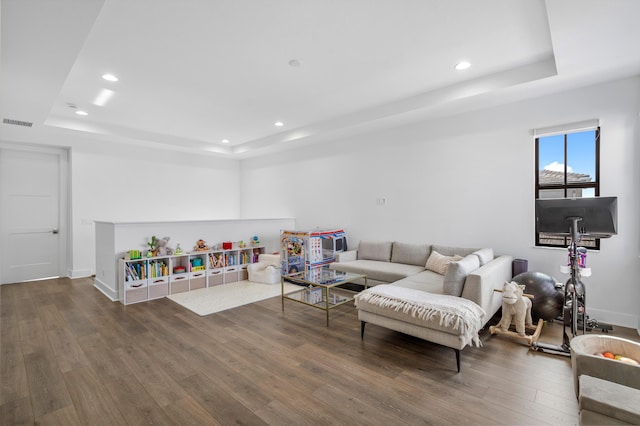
x,y
516,310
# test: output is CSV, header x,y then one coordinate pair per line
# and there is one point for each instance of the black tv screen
x,y
598,216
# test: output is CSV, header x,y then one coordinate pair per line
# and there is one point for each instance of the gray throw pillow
x,y
450,251
485,255
457,273
375,250
410,254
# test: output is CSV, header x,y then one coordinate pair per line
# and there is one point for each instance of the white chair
x,y
266,270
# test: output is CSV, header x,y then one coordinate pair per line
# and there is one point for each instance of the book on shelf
x,y
135,271
158,269
216,260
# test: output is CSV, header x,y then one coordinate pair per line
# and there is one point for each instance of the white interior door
x,y
30,207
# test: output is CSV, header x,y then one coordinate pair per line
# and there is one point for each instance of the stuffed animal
x,y
515,307
201,246
163,250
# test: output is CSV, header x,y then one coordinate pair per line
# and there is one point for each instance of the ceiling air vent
x,y
17,122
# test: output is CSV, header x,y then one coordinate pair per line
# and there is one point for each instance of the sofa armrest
x,y
347,256
480,284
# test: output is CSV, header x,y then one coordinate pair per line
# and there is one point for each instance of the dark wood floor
x,y
70,356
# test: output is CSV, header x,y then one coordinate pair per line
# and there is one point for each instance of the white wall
x,y
140,185
464,180
127,183
467,180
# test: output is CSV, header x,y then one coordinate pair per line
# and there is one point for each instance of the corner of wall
x,y
104,288
79,273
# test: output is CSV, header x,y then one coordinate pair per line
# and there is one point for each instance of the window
x,y
568,166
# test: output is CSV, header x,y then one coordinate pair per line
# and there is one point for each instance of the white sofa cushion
x,y
438,262
378,271
375,250
456,274
485,255
428,281
410,254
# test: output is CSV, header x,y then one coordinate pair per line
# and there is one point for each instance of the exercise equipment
x,y
547,300
575,217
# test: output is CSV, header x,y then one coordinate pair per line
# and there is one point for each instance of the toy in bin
x,y
179,269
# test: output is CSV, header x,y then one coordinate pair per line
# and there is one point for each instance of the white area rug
x,y
205,301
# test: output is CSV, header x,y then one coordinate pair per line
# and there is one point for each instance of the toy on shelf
x,y
255,240
196,264
153,247
241,244
135,254
201,246
162,248
178,249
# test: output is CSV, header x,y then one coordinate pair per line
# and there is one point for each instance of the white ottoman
x,y
266,270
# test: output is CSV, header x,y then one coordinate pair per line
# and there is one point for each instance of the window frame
x,y
567,186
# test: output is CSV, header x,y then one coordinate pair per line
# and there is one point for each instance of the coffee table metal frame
x,y
329,286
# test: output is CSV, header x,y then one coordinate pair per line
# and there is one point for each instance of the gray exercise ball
x,y
547,299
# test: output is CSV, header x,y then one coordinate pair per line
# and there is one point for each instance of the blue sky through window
x,y
581,153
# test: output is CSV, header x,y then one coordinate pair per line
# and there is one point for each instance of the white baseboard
x,y
105,289
615,318
79,273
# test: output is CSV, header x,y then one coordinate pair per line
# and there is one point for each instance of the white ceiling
x,y
195,72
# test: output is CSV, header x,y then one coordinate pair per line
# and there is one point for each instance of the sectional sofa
x,y
438,293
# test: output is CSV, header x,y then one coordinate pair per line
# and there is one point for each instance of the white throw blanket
x,y
461,314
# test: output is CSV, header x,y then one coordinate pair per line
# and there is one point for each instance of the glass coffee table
x,y
322,288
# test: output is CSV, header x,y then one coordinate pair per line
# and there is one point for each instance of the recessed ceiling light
x,y
463,65
295,62
225,141
110,77
80,112
278,124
